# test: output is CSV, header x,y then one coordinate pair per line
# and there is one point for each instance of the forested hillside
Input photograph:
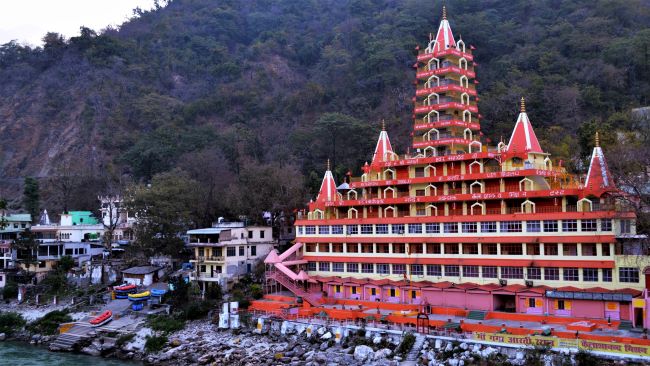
x,y
231,90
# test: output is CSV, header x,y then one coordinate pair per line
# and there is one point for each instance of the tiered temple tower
x,y
460,224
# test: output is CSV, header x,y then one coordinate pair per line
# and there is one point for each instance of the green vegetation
x,y
231,91
31,197
11,322
155,343
124,339
49,323
10,291
407,343
165,324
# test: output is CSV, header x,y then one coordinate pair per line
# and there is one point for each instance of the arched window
x,y
353,213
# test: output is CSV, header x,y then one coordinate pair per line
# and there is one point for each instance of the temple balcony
x,y
422,108
443,87
424,56
426,74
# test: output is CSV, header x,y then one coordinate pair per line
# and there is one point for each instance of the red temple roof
x,y
327,191
383,150
598,177
523,139
444,37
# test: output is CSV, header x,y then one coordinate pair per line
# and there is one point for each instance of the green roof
x,y
83,218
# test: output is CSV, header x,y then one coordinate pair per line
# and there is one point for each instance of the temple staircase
x,y
279,270
414,353
292,286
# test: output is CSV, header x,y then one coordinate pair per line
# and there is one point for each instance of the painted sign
x,y
554,342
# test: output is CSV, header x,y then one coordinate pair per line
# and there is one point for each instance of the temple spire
x,y
599,179
522,105
597,143
384,149
327,192
444,12
523,139
444,37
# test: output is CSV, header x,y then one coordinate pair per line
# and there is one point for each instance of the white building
x,y
227,250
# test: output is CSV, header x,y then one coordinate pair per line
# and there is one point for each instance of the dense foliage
x,y
49,323
232,90
11,322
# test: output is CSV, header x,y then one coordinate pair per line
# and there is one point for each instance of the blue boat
x,y
157,292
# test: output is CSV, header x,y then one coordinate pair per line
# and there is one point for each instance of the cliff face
x,y
252,80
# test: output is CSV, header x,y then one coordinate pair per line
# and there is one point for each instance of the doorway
x,y
505,303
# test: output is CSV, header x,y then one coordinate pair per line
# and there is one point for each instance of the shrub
x,y
124,339
196,310
166,324
49,323
10,291
11,322
256,291
407,343
155,343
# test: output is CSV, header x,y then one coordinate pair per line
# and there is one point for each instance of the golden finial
x,y
522,107
328,164
444,12
383,125
597,139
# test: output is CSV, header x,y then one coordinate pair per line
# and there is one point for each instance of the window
x,y
353,267
551,274
469,227
419,172
434,270
366,229
433,248
415,228
230,251
589,249
337,289
383,269
628,274
569,249
250,234
604,247
323,247
324,230
382,229
550,249
489,227
352,229
569,225
353,290
510,226
450,227
399,248
451,248
470,271
337,267
489,248
534,273
605,224
588,225
310,229
550,226
571,274
531,302
203,268
452,271
242,251
433,228
417,270
512,272
366,248
201,252
490,272
397,229
373,291
337,229
590,274
311,266
352,247
470,248
254,250
626,226
392,292
560,304
415,248
261,234
607,275
324,266
367,268
532,249
383,248
512,249
533,226
399,269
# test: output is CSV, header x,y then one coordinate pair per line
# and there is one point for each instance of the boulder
x,y
476,348
323,346
464,346
383,353
488,351
327,335
453,362
376,340
449,347
362,353
175,342
438,344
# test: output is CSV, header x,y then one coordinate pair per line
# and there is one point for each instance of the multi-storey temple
x,y
464,225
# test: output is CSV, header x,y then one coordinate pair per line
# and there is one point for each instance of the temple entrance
x,y
505,303
423,323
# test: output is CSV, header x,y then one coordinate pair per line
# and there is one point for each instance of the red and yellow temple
x,y
463,225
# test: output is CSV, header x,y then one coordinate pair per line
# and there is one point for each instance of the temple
x,y
463,225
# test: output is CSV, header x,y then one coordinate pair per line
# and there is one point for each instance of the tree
x,y
31,197
27,248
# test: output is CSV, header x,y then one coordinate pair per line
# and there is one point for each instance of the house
x,y
227,250
13,225
114,214
142,275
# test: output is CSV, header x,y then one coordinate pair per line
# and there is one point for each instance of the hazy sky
x,y
28,20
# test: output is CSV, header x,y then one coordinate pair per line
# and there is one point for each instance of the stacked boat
x,y
122,292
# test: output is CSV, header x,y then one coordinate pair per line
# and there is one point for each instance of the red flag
x,y
471,47
348,173
475,81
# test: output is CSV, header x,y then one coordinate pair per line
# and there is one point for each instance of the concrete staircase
x,y
414,354
67,341
285,281
625,325
476,315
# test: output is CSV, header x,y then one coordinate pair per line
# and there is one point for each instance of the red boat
x,y
125,288
101,319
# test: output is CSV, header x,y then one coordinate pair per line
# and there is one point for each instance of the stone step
x,y
476,315
414,353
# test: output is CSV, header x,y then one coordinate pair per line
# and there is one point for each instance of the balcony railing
x,y
211,258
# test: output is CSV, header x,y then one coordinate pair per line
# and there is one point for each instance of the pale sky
x,y
28,20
